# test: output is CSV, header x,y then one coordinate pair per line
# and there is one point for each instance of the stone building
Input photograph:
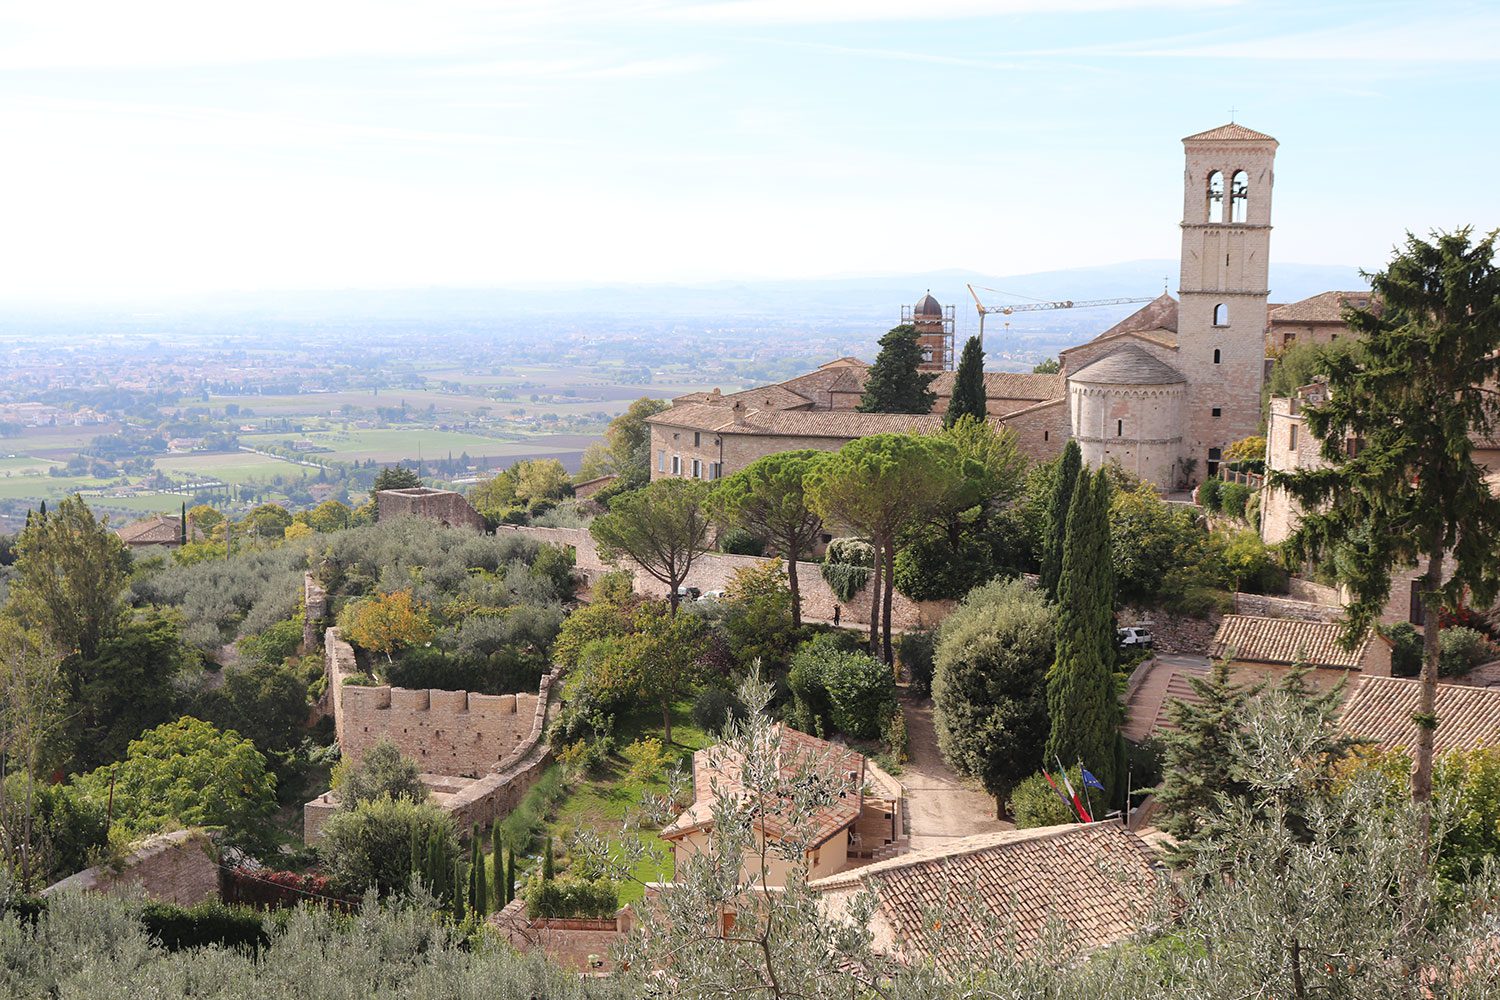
x,y
1162,393
1318,319
446,507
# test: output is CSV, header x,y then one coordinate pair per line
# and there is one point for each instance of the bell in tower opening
x,y
934,326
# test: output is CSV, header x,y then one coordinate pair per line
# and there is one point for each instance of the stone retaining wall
x,y
1283,607
314,612
179,867
715,571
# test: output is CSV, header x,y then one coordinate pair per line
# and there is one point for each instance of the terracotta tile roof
x,y
1148,705
1128,365
1325,307
159,530
1099,879
837,424
798,751
1380,709
1021,386
1254,639
1158,314
1233,132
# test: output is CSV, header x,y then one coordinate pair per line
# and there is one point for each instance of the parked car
x,y
714,595
1134,637
688,593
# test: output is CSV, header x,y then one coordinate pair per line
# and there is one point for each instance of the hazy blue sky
x,y
155,147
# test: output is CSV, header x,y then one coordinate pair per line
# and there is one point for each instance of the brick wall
x,y
179,867
715,571
443,506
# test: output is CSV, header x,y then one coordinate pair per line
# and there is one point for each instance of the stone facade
x,y
314,612
180,867
479,753
1137,427
1290,446
446,507
716,570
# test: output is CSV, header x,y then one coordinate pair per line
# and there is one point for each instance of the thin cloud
x,y
583,68
832,11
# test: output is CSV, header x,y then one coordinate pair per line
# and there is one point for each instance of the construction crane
x,y
1019,307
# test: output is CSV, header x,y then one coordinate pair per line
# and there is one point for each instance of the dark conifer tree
x,y
1195,754
1081,695
968,399
182,534
895,384
1053,532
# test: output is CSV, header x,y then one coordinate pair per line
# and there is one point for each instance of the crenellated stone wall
x,y
479,753
314,612
715,571
180,867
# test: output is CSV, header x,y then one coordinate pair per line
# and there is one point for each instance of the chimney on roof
x,y
739,411
715,396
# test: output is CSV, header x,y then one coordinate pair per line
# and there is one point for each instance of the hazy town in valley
x,y
721,499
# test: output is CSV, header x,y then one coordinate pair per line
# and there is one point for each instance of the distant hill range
x,y
857,301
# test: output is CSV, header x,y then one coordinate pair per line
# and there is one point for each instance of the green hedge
x,y
177,928
571,897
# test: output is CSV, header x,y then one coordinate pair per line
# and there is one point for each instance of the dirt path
x,y
941,804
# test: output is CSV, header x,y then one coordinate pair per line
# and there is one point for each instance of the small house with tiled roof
x,y
1317,319
1380,709
159,530
863,821
1099,881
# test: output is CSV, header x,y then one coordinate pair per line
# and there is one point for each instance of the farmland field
x,y
230,467
391,444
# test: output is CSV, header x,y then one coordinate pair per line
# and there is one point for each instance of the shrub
x,y
370,845
1034,803
846,566
1210,495
861,694
896,736
809,711
758,617
503,672
208,924
1406,649
715,707
1461,649
929,568
569,896
1233,498
915,651
383,771
648,759
739,542
276,644
68,826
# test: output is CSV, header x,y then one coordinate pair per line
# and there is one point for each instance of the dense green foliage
x,y
968,399
381,772
836,689
1034,802
663,527
895,383
1194,751
1081,698
768,497
570,896
380,843
989,683
1054,529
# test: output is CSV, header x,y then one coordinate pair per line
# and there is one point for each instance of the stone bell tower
x,y
1226,240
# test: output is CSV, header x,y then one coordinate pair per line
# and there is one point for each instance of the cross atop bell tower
x,y
1225,282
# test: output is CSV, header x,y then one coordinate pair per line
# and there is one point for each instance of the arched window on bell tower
x,y
1221,314
1216,197
1239,197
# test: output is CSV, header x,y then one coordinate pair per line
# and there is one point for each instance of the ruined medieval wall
x,y
314,612
179,867
443,506
715,571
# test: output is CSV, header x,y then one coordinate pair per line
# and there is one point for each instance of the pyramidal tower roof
x,y
1233,132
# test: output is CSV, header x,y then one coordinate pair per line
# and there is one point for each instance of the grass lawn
x,y
390,444
232,467
601,802
11,464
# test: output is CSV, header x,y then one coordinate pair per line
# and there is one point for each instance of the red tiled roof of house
x,y
1325,307
839,424
798,752
161,529
1022,386
1380,709
1255,639
1099,879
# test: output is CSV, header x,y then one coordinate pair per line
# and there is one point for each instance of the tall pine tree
x,y
1081,684
895,384
1196,753
1053,532
968,399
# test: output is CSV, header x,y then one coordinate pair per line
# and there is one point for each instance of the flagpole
x,y
1129,775
1086,796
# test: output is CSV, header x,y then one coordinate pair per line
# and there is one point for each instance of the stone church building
x,y
1162,393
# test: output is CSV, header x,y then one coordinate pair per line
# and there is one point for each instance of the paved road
x,y
940,804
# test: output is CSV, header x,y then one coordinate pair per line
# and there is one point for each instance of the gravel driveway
x,y
941,805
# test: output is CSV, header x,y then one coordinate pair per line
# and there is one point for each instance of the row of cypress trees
x,y
467,887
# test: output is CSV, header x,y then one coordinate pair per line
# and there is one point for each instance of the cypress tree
x,y
510,875
478,884
415,859
437,869
456,879
182,533
497,860
548,870
895,385
1054,530
1081,685
42,513
968,399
